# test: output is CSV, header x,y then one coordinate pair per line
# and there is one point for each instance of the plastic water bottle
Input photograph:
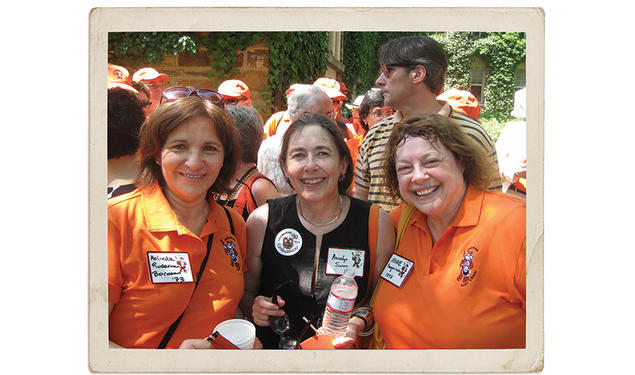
x,y
340,304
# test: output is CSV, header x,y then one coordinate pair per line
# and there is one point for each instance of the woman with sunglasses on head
x,y
462,285
176,258
297,245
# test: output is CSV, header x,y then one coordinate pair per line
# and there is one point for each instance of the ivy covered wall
x,y
293,57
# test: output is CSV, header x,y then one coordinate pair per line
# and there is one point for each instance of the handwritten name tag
x,y
172,267
397,270
341,259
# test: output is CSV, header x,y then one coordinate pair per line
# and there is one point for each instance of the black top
x,y
298,267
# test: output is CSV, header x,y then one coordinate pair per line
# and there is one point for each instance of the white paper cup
x,y
239,332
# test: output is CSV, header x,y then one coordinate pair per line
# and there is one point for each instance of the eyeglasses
x,y
177,92
387,69
235,101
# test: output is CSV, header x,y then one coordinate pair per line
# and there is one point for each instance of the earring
x,y
341,177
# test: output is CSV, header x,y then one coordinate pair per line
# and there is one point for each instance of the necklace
x,y
334,219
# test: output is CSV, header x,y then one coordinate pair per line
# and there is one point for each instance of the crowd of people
x,y
215,214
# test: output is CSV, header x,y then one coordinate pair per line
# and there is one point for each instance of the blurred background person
x,y
355,120
188,151
289,238
462,285
280,118
125,116
512,151
250,188
154,81
235,92
372,109
302,100
462,101
336,91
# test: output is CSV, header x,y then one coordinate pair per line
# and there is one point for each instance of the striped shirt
x,y
369,175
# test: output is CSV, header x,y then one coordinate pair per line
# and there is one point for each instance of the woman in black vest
x,y
297,245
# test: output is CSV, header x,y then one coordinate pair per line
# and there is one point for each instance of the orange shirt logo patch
x,y
230,249
467,273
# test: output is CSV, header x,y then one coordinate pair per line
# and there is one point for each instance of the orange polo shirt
x,y
467,291
141,229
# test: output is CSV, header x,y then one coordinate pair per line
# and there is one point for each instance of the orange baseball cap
x,y
462,101
118,74
148,74
234,89
331,87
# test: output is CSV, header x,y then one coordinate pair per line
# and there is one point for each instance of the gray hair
x,y
250,130
304,97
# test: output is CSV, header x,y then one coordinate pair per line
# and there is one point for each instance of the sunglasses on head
x,y
177,92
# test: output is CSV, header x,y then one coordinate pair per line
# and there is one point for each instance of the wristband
x,y
366,314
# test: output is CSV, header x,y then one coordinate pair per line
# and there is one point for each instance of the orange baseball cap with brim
x,y
462,101
331,87
234,89
148,74
118,74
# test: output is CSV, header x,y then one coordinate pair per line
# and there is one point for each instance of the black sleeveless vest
x,y
298,268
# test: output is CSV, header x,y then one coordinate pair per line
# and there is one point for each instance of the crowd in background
x,y
201,187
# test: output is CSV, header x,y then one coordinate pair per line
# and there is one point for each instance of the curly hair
x,y
439,130
166,118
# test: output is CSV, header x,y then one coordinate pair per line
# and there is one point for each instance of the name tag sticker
x,y
397,270
169,267
341,259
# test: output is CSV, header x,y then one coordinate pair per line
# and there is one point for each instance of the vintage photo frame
x,y
104,20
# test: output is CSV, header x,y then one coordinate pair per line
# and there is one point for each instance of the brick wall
x,y
184,69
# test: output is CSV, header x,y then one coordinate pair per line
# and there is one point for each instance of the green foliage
x,y
460,50
493,126
149,47
361,60
294,57
502,52
222,48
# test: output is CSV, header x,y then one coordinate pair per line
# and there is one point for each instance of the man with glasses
x,y
235,92
412,76
154,81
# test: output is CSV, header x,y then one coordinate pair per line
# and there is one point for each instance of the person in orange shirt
x,y
175,257
457,278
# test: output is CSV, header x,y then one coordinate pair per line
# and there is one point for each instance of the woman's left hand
x,y
344,342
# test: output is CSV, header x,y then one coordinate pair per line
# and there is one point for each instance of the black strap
x,y
210,239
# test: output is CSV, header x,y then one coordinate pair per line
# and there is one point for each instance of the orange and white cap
x,y
291,88
234,89
118,74
462,101
331,87
148,74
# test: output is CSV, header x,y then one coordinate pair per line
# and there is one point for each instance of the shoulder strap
x,y
199,275
404,218
373,231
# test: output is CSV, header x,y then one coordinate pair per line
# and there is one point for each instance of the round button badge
x,y
288,242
